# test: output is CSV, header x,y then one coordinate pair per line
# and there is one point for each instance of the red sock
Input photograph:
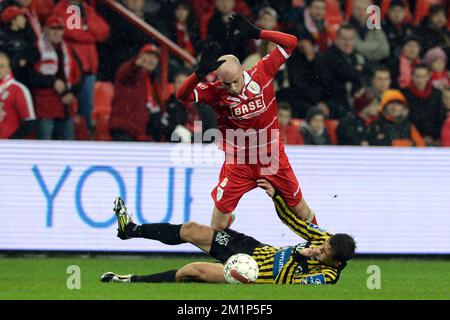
x,y
314,221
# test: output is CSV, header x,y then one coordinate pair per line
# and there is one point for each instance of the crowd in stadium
x,y
349,82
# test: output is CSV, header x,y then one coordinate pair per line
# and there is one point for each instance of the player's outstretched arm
x,y
208,63
241,28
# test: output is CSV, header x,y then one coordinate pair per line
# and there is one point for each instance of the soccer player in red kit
x,y
244,101
17,115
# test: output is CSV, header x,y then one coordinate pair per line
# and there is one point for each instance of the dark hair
x,y
312,112
421,66
343,247
183,3
284,105
397,3
379,68
345,26
411,38
310,2
435,9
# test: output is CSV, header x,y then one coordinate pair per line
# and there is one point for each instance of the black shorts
x,y
229,242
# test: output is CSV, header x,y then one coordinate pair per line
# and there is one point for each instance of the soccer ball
x,y
241,268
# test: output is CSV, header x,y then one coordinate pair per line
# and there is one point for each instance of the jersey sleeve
x,y
23,103
272,62
204,92
307,231
193,91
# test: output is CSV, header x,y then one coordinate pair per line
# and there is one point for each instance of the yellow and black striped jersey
x,y
286,265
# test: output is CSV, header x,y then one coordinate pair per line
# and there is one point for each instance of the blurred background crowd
x,y
99,75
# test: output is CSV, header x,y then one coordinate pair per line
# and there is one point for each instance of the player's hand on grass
x,y
242,29
208,61
266,185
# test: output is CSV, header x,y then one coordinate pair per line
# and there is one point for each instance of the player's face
x,y
4,67
326,253
234,85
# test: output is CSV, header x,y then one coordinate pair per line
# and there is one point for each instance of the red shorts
x,y
237,179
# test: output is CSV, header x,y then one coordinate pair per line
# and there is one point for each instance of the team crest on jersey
x,y
253,87
219,193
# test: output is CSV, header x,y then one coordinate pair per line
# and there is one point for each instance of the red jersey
x,y
16,105
255,107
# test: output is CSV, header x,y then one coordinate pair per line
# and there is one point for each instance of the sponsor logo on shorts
x,y
222,238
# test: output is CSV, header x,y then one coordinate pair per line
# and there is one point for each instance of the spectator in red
x,y
181,116
55,81
393,127
218,28
372,43
16,105
433,30
312,19
135,108
401,68
182,28
289,133
33,29
445,132
313,128
436,60
83,39
15,43
353,130
395,27
424,104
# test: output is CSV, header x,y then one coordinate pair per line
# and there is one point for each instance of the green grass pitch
x,y
45,278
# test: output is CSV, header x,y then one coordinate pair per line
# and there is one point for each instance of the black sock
x,y
167,276
164,232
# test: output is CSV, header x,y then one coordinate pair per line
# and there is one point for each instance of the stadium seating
x,y
330,124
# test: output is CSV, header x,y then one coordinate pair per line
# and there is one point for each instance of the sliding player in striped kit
x,y
245,104
319,260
